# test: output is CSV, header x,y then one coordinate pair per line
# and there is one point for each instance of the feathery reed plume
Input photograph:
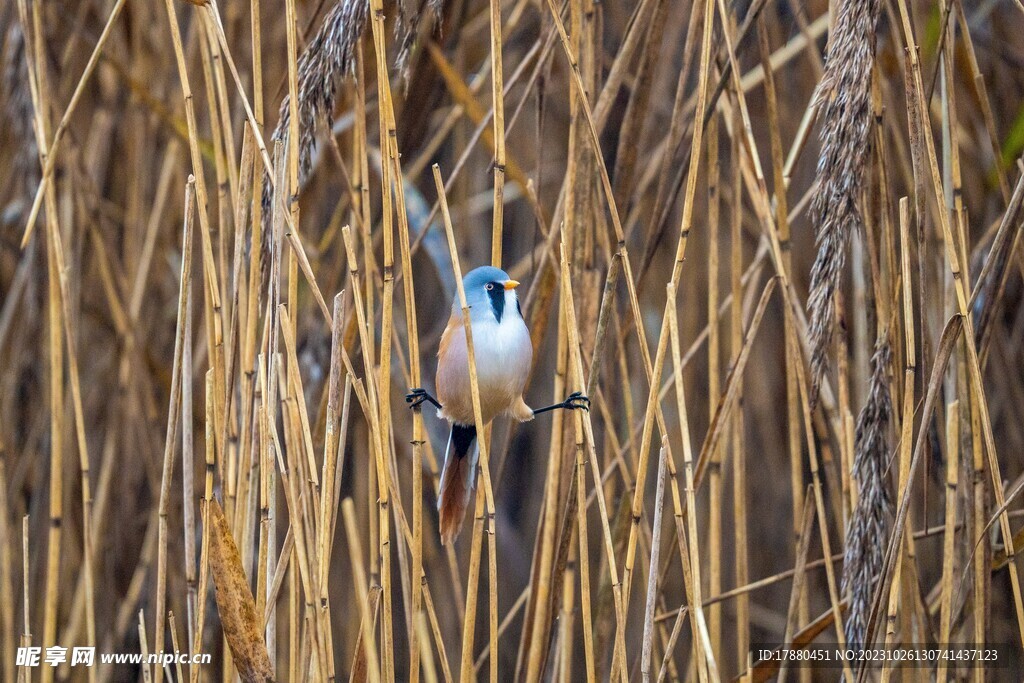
x,y
867,529
844,100
407,25
328,56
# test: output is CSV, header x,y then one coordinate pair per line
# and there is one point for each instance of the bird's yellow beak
x,y
511,284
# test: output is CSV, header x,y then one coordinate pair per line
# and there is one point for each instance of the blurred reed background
x,y
776,242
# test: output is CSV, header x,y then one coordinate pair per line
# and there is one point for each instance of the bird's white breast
x,y
503,354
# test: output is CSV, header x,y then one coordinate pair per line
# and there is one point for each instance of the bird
x,y
504,356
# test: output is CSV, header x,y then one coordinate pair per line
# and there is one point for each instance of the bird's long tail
x,y
456,481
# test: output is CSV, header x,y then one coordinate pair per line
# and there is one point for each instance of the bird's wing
x,y
454,324
452,379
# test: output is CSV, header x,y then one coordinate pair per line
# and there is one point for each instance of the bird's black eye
x,y
489,286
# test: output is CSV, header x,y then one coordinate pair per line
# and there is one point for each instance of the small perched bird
x,y
503,353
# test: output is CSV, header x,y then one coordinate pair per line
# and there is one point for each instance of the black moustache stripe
x,y
497,295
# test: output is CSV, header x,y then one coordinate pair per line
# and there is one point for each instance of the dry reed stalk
x,y
737,438
58,285
780,177
636,112
120,321
210,311
147,674
797,592
174,644
334,432
539,301
269,382
7,604
385,117
907,427
844,98
296,499
586,615
540,610
949,537
653,404
37,81
173,416
25,674
48,155
371,408
189,525
985,103
652,574
485,495
16,87
575,364
917,109
714,382
389,135
673,137
836,610
572,341
498,106
202,197
726,404
512,613
705,657
359,581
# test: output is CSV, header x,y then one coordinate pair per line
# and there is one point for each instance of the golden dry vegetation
x,y
777,242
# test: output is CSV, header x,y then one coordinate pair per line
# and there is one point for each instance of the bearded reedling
x,y
503,353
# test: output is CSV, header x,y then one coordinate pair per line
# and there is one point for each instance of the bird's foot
x,y
416,397
574,401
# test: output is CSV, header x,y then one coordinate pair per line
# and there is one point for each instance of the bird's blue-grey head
x,y
489,292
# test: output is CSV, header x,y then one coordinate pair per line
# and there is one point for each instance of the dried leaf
x,y
235,603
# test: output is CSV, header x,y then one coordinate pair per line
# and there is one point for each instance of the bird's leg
x,y
575,400
417,396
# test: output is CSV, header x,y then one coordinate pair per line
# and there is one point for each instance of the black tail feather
x,y
456,482
462,439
